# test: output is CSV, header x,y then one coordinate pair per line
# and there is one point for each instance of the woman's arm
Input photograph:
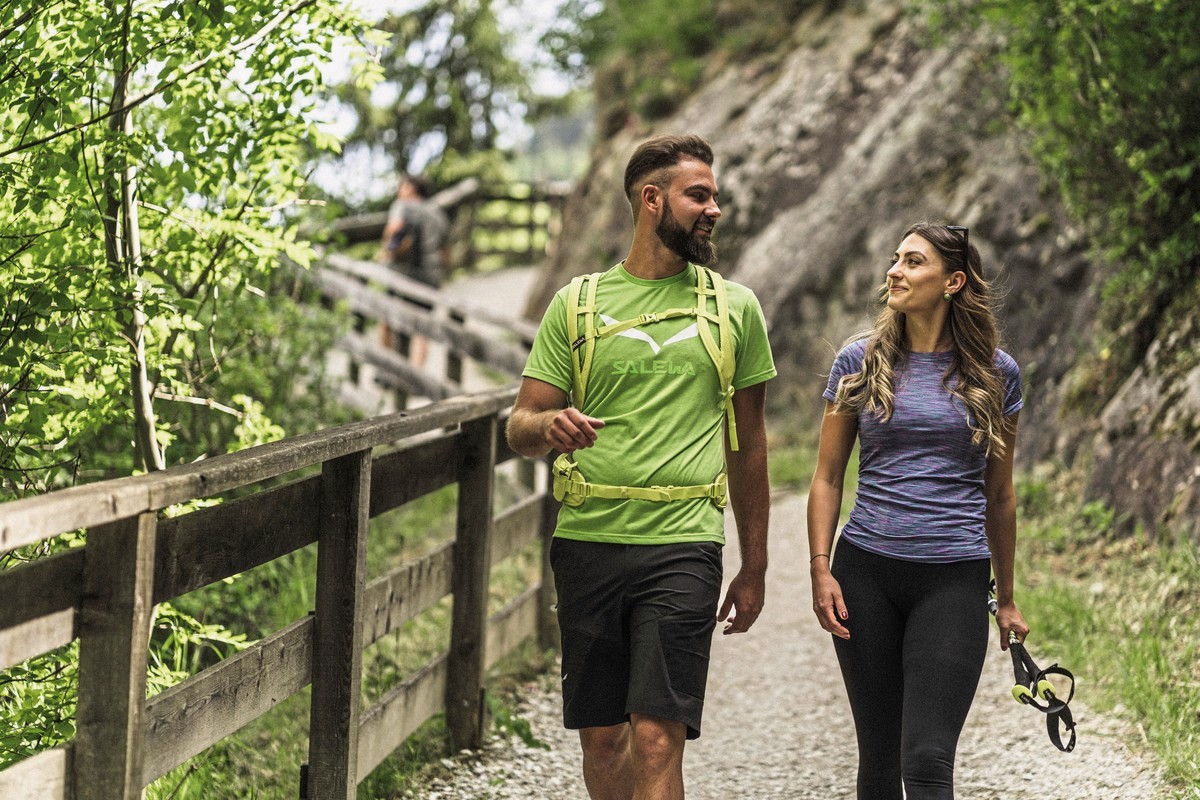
x,y
838,432
1001,526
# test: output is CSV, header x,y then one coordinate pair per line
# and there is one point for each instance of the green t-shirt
x,y
658,392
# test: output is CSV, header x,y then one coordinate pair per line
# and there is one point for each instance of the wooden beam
x,y
403,593
45,586
192,716
211,544
404,317
464,705
409,289
369,227
511,625
399,713
337,646
413,470
396,371
114,635
40,777
516,527
37,636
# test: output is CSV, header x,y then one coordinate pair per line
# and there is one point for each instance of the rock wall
x,y
824,156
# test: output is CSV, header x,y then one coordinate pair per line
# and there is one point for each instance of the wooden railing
x,y
493,226
373,292
104,594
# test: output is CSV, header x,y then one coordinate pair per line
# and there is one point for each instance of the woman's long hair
x,y
977,382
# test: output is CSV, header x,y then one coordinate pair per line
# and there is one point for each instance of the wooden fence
x,y
374,292
104,595
493,226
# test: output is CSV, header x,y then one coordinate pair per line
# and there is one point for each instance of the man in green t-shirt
x,y
637,570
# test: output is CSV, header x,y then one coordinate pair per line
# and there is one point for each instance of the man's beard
x,y
683,243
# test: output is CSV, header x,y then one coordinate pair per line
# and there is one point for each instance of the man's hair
x,y
421,185
657,154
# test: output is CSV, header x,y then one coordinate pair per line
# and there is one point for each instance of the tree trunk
x,y
122,240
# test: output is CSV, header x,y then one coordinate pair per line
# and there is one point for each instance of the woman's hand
x,y
827,599
1008,618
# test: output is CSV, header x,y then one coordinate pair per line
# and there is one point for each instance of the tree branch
x,y
136,100
199,401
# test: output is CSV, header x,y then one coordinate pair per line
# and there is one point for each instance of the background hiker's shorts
x,y
637,624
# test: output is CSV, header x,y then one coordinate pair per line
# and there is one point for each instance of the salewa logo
x,y
690,332
653,367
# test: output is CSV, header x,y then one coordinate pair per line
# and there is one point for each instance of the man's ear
x,y
652,197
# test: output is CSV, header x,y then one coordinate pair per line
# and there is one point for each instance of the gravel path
x,y
777,726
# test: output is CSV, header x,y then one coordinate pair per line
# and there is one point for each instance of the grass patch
x,y
1123,613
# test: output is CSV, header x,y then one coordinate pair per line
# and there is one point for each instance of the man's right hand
x,y
570,430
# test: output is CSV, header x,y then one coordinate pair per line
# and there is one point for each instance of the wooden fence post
x,y
114,635
454,361
337,639
472,546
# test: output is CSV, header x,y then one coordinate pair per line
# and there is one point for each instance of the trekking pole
x,y
1032,688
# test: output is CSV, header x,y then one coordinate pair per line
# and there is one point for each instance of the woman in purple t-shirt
x,y
933,403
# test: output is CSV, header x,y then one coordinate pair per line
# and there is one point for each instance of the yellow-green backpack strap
x,y
581,362
722,354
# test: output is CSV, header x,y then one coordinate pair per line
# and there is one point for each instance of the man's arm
x,y
750,498
542,421
395,222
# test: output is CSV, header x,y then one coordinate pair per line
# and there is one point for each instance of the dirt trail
x,y
777,726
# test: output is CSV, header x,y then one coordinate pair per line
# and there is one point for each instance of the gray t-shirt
x,y
920,478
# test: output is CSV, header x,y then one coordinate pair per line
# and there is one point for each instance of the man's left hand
x,y
745,598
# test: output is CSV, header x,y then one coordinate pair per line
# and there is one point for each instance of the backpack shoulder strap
x,y
581,302
720,349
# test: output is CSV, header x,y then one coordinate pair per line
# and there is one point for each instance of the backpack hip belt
x,y
571,488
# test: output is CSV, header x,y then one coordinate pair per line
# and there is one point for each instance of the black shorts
x,y
637,624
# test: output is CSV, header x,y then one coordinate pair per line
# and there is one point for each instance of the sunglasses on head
x,y
966,240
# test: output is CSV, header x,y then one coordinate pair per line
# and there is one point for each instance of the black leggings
x,y
918,636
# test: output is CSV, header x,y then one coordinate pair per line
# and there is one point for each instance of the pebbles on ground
x,y
777,725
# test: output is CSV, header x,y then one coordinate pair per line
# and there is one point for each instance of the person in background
x,y
636,553
933,403
416,243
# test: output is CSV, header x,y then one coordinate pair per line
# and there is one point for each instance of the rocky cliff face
x,y
824,157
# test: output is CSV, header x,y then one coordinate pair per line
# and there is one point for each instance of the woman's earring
x,y
946,297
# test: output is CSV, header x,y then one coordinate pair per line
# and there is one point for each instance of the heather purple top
x,y
920,478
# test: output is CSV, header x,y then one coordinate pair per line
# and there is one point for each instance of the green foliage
x,y
1123,615
1109,90
150,160
152,157
456,80
37,704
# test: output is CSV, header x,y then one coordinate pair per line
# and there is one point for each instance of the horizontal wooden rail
x,y
405,288
189,718
41,777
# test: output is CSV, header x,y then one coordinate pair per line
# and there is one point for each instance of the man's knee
x,y
657,740
605,744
